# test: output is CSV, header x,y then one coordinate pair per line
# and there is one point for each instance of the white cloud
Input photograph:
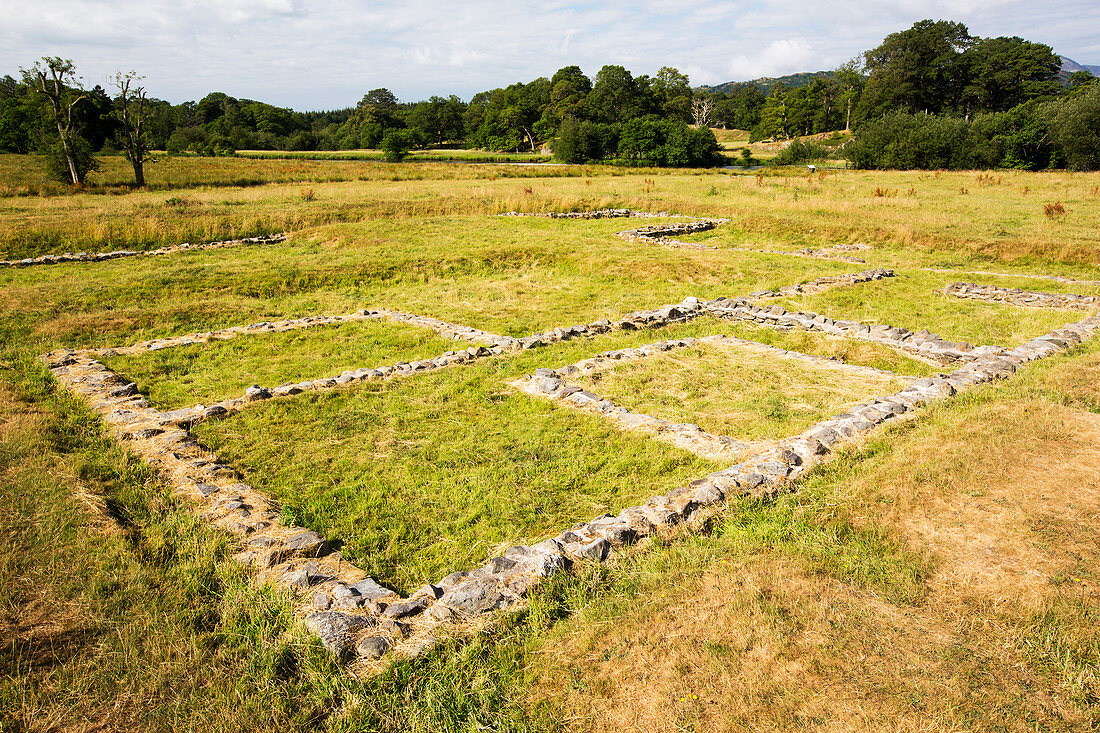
x,y
777,58
313,54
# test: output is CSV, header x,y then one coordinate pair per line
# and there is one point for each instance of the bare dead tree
x,y
131,111
55,77
701,109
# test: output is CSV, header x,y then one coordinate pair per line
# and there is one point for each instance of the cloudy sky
x,y
322,54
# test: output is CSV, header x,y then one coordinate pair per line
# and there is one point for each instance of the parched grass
x,y
999,218
425,476
730,390
914,585
941,578
206,373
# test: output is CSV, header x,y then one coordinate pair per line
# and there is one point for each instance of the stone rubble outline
x,y
602,214
660,234
352,611
454,331
1055,278
554,385
117,254
1021,297
347,602
825,253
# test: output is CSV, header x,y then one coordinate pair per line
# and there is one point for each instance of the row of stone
x,y
1018,296
454,331
256,393
349,610
1055,278
101,256
768,471
826,282
445,329
921,344
295,557
554,384
829,253
599,214
662,234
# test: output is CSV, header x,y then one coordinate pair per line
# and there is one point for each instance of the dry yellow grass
x,y
1006,504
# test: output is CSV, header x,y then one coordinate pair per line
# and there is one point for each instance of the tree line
x,y
929,96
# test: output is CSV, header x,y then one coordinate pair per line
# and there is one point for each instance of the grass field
x,y
940,576
730,390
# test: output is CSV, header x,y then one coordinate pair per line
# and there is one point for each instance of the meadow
x,y
938,576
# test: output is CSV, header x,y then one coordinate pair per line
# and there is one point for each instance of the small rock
x,y
335,629
372,647
402,610
476,596
307,544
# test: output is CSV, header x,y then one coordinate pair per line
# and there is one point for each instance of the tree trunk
x,y
62,133
139,172
68,155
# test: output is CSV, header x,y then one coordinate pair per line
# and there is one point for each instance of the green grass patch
x,y
915,300
427,475
206,373
730,390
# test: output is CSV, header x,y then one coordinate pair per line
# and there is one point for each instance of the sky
x,y
325,54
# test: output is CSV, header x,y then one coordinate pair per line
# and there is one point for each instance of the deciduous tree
x,y
55,78
132,109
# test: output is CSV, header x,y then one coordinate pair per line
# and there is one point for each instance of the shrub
x,y
1074,124
657,142
396,144
57,165
907,141
801,152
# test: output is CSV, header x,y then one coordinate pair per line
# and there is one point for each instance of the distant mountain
x,y
1069,66
765,83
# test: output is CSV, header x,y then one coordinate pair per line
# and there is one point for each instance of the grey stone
x,y
706,493
372,647
475,596
410,608
256,392
500,564
749,480
336,629
371,590
307,544
206,490
321,601
342,591
549,384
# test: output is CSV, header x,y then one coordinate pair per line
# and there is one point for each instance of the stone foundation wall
x,y
101,256
662,234
1026,298
554,384
357,618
